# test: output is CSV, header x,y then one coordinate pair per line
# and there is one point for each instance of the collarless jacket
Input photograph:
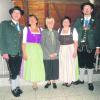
x,y
10,38
91,33
47,45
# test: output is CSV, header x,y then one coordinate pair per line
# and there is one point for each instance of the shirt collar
x,y
87,18
15,22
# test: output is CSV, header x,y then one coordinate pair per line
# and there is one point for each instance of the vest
x,y
88,35
33,38
65,39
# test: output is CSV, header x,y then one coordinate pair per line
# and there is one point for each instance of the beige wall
x,y
5,5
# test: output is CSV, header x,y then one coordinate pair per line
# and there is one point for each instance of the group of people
x,y
38,54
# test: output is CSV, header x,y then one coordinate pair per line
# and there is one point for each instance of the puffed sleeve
x,y
24,34
75,35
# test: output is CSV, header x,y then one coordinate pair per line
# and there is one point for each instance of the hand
x,y
5,56
75,54
24,56
97,51
53,55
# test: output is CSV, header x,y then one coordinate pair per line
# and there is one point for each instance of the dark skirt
x,y
51,69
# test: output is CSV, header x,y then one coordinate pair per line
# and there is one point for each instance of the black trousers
x,y
86,59
14,64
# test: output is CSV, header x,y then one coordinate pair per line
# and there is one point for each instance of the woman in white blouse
x,y
68,62
32,53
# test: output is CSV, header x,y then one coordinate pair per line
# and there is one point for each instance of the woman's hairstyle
x,y
64,18
48,19
32,15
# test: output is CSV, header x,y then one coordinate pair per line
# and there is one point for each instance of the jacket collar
x,y
92,20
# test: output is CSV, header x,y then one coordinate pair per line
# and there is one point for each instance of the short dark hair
x,y
65,17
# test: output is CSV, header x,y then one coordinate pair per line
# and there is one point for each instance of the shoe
x,y
78,82
47,85
90,86
54,85
19,90
15,93
68,85
34,86
64,84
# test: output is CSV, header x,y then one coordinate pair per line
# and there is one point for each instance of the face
x,y
16,15
66,23
32,20
50,24
87,10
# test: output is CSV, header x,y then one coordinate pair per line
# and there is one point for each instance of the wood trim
x,y
26,10
46,9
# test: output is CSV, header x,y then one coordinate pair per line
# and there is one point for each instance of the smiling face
x,y
66,23
16,15
32,20
50,23
87,10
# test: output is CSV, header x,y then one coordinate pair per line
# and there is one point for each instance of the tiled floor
x,y
79,92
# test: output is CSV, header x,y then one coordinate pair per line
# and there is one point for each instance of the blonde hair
x,y
49,19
